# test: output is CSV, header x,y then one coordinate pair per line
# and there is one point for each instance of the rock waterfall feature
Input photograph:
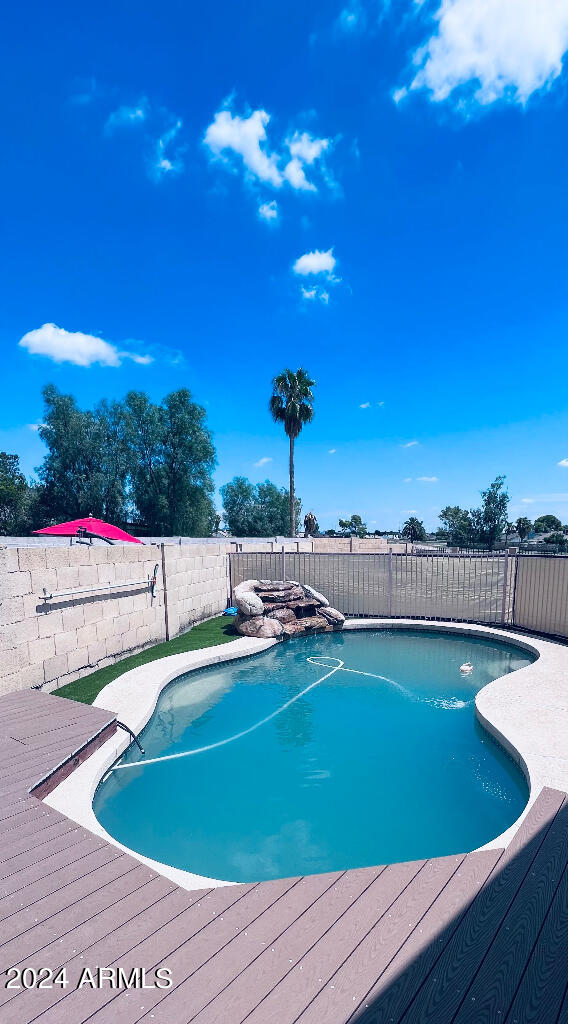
x,y
282,608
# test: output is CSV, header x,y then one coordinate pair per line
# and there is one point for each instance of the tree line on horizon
x,y
148,467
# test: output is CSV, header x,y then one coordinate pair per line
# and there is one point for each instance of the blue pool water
x,y
358,771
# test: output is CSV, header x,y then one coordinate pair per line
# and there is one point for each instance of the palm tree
x,y
291,403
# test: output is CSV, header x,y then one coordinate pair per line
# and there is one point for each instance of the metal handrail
x,y
149,582
126,728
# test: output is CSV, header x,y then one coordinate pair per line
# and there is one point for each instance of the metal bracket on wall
x,y
149,582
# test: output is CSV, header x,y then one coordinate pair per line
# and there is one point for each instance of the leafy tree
x,y
508,529
523,527
354,527
257,510
172,459
413,529
458,526
15,497
72,475
291,403
492,516
483,525
556,538
130,460
544,524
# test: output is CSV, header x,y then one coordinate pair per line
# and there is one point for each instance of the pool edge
x,y
527,738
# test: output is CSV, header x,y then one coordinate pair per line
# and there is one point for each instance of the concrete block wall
x,y
47,644
197,583
358,545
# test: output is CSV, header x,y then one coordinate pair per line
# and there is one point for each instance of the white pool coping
x,y
525,711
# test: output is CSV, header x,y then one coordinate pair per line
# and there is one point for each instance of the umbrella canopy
x,y
89,527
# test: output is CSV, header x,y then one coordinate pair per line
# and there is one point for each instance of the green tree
x,y
523,527
458,526
508,529
414,530
15,497
491,518
354,527
130,460
291,403
71,476
544,524
172,459
556,538
257,510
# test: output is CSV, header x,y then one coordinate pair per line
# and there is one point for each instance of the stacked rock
x,y
282,608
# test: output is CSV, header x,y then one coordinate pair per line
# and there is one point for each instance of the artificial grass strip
x,y
206,634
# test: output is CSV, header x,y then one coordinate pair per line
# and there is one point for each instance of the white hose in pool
x,y
313,660
238,735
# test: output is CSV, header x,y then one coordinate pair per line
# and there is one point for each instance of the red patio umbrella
x,y
89,527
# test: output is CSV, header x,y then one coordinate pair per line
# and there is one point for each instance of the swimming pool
x,y
369,753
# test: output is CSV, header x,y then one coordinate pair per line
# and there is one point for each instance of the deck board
x,y
493,988
440,997
540,993
481,937
349,985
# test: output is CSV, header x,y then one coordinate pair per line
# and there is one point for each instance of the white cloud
x,y
268,211
316,262
380,403
306,147
75,347
35,426
124,116
332,451
409,444
305,150
563,462
352,18
408,480
498,49
246,138
360,16
528,501
167,158
263,461
365,405
315,293
165,151
428,479
296,176
408,511
232,138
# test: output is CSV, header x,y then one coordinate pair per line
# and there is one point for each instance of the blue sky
x,y
200,195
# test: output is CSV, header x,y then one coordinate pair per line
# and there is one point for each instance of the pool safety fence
x,y
498,588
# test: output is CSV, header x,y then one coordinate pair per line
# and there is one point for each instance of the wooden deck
x,y
474,939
